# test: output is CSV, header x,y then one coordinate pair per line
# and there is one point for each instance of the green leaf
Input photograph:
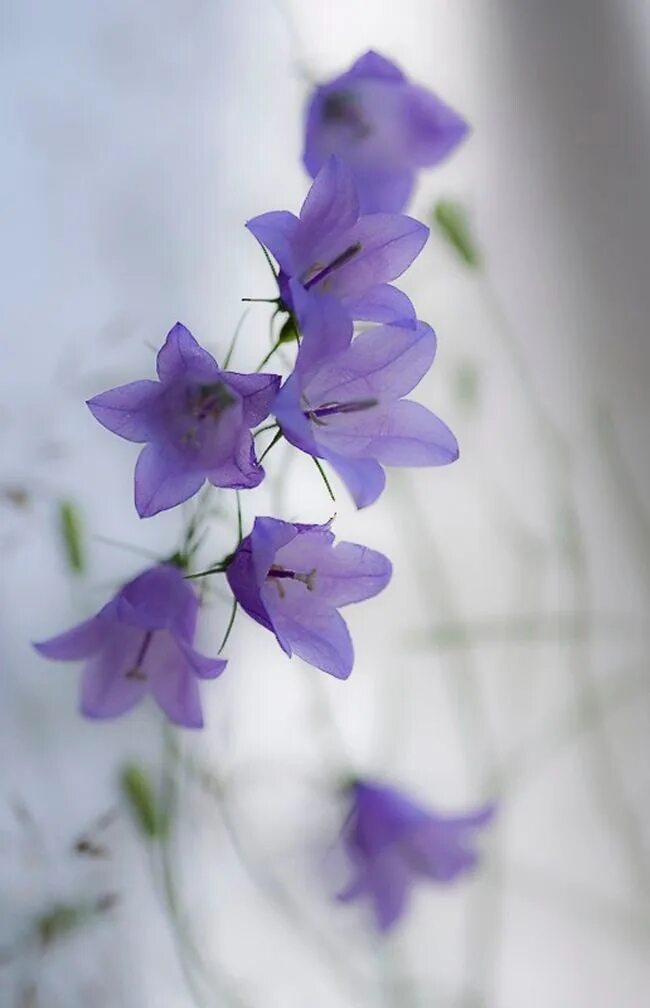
x,y
139,793
453,222
71,533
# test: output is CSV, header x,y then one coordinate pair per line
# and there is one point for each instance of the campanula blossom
x,y
383,127
195,422
391,842
333,250
139,643
293,579
348,408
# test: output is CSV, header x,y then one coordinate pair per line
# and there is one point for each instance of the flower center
x,y
136,672
277,574
328,409
205,403
318,273
342,107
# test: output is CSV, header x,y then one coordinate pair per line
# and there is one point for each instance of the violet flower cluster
x,y
360,351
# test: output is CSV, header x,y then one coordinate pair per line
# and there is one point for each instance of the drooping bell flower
x,y
195,422
140,643
348,408
335,252
392,842
383,127
292,580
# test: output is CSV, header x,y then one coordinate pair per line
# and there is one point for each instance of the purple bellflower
x,y
293,579
139,643
383,127
348,408
335,253
391,841
195,423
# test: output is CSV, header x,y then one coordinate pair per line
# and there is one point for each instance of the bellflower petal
x,y
131,411
331,205
392,841
105,694
364,478
383,127
80,642
333,251
181,356
316,633
291,578
373,64
195,422
383,303
326,327
257,392
141,642
160,483
347,407
276,231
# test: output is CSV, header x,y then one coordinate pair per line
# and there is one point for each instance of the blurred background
x,y
507,659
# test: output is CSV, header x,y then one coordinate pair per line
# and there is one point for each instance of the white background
x,y
509,655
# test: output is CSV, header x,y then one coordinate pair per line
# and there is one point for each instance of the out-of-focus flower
x,y
195,421
348,408
293,579
391,841
139,643
383,127
332,250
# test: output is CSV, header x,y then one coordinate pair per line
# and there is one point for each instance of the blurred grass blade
x,y
140,796
452,221
70,528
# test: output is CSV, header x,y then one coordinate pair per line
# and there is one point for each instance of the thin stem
x,y
231,621
217,569
261,300
240,530
324,478
268,259
276,346
263,430
231,348
268,447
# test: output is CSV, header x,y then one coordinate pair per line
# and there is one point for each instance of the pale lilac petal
x,y
247,571
106,689
435,130
386,362
161,481
79,642
158,599
181,356
331,202
276,231
389,244
289,413
257,392
132,411
350,573
241,471
390,886
313,631
383,303
364,478
385,192
413,436
372,64
173,683
326,328
203,667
